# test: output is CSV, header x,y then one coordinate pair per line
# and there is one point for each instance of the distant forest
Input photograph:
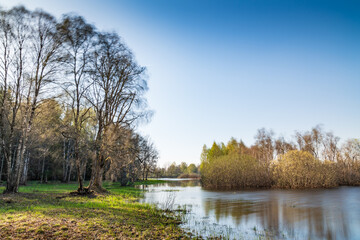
x,y
70,97
312,159
182,170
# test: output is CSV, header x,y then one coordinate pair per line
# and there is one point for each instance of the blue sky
x,y
219,69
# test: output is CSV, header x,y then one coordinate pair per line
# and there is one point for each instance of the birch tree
x,y
32,66
77,36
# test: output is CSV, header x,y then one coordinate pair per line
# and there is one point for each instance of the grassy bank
x,y
47,211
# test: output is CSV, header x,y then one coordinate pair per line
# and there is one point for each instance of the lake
x,y
264,214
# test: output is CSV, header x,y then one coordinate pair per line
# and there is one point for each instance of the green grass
x,y
58,187
48,211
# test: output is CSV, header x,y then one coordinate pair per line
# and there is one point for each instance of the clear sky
x,y
219,69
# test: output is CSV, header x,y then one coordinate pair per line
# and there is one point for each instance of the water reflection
x,y
289,214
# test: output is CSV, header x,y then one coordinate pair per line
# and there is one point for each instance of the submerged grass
x,y
47,211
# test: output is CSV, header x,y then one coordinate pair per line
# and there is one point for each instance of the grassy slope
x,y
46,211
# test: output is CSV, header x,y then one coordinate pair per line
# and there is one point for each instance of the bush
x,y
235,171
348,172
300,169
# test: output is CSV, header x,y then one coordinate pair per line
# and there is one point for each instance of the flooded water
x,y
267,214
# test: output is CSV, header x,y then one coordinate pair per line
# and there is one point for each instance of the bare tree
x,y
34,63
282,146
317,136
149,164
331,149
311,141
6,37
77,36
147,155
348,161
116,95
351,150
265,145
15,36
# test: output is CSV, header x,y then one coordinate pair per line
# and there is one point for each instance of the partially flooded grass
x,y
47,211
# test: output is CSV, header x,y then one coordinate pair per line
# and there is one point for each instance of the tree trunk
x,y
21,160
97,184
97,174
65,164
98,165
69,173
123,178
43,170
12,168
1,166
143,172
78,166
79,175
14,174
26,169
84,171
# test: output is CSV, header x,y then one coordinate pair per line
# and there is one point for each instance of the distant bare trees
x,y
264,145
147,156
322,145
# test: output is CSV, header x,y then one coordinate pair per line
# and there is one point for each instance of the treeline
x,y
182,170
312,159
70,96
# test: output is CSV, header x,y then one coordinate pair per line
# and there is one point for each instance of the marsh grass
x,y
47,211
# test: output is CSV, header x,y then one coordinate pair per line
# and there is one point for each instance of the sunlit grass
x,y
48,211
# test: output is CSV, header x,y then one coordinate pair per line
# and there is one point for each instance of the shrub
x,y
300,169
348,172
235,171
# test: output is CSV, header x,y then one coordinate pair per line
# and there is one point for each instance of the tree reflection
x,y
280,216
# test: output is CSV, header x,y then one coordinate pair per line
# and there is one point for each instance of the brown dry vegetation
x,y
295,169
317,162
235,171
300,169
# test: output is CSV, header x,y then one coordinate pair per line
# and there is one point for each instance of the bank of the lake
x,y
47,211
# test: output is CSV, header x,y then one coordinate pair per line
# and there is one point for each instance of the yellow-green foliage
x,y
300,169
234,171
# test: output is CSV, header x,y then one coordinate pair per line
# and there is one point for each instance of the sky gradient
x,y
221,69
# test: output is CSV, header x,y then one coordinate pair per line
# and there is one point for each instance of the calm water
x,y
274,214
